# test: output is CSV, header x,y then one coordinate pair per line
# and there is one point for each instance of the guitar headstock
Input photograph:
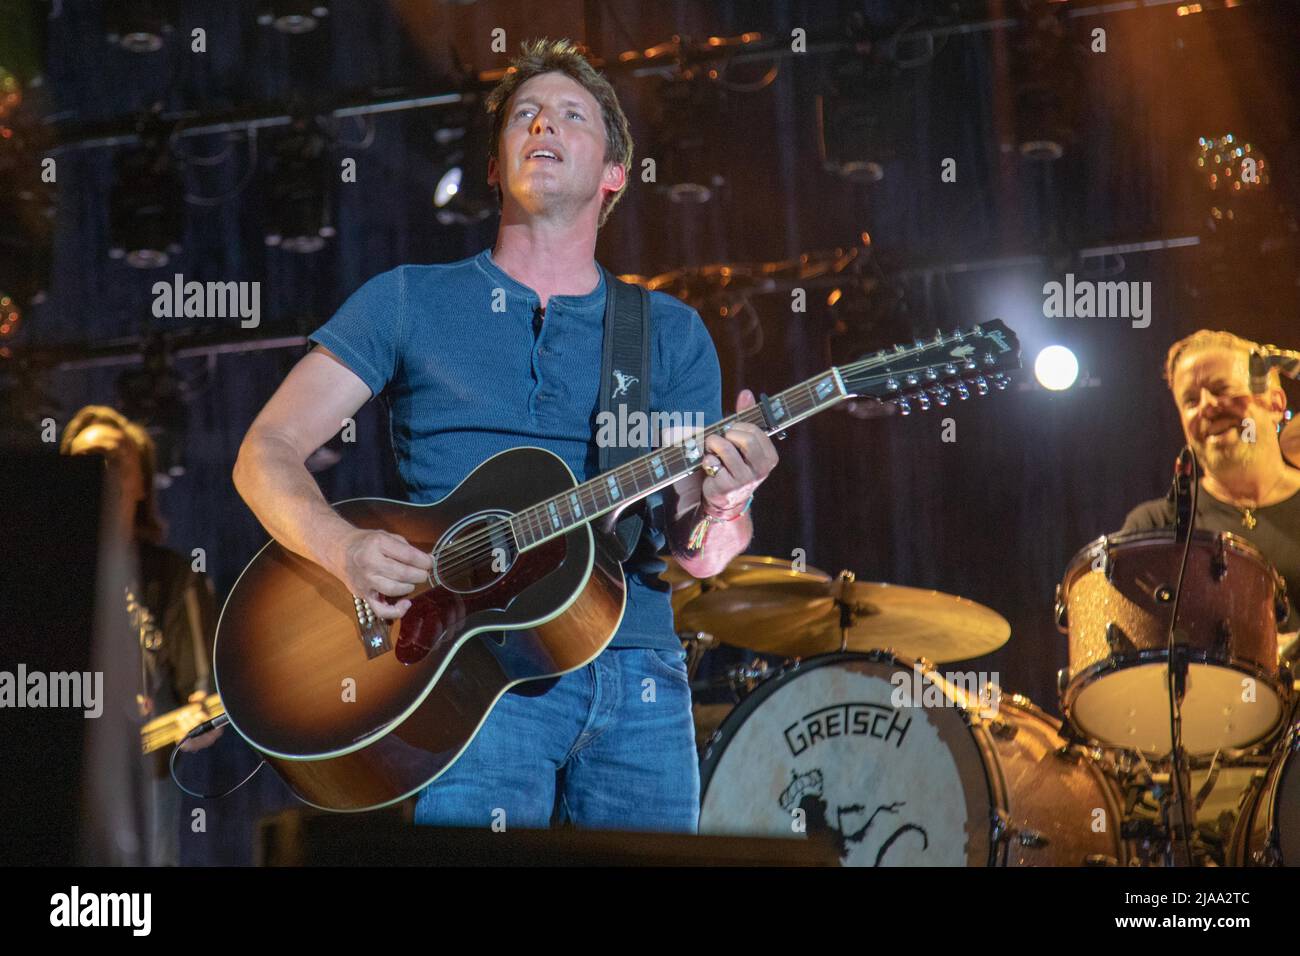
x,y
934,371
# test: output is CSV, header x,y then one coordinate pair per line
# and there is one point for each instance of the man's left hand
x,y
744,456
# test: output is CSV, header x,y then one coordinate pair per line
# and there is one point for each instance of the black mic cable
x,y
203,728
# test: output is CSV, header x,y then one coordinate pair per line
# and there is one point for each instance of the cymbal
x,y
745,570
802,618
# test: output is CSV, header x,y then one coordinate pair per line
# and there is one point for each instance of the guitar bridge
x,y
372,631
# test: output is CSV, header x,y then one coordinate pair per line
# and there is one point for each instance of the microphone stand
x,y
1186,492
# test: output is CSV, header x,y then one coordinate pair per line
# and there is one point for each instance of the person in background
x,y
172,607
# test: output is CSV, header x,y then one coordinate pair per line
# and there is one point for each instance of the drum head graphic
x,y
861,748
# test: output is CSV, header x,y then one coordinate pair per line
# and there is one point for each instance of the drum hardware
x,y
1180,813
1223,638
1116,639
842,580
695,643
1184,846
1032,838
1210,780
740,679
1002,729
1219,564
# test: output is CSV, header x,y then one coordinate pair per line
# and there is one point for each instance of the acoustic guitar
x,y
355,712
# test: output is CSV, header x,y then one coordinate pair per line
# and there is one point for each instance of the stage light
x,y
140,26
462,195
1056,368
854,138
11,94
156,396
300,217
864,113
687,143
1045,74
292,16
448,186
27,214
1229,164
145,224
10,315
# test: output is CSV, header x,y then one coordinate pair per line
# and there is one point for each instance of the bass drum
x,y
900,767
1268,830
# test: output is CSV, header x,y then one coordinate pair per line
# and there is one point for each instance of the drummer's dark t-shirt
x,y
1276,535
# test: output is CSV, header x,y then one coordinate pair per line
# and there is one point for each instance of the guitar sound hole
x,y
475,554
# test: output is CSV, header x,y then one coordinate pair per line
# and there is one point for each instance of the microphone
x,y
1184,473
538,314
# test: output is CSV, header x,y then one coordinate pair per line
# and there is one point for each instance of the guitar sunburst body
x,y
313,685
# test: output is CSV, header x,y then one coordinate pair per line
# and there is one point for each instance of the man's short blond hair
x,y
1203,339
564,56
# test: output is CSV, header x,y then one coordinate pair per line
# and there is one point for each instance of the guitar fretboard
x,y
663,466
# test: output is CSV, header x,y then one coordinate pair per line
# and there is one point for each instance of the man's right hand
x,y
378,566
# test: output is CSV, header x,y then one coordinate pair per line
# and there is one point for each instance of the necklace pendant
x,y
1248,520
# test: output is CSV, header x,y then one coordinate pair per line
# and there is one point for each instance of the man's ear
x,y
615,176
1276,402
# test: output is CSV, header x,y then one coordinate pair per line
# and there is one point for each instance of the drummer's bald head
x,y
1205,339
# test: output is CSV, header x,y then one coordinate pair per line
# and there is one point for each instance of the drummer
x,y
1247,486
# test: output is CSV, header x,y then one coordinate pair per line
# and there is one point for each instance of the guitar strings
x,y
477,546
481,541
467,557
472,550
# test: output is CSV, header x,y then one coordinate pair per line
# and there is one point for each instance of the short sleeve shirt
x,y
453,350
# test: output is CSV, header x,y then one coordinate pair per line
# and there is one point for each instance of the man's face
x,y
553,112
1212,390
121,455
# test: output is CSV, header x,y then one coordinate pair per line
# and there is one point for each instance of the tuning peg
x,y
981,385
922,401
904,406
962,391
1000,382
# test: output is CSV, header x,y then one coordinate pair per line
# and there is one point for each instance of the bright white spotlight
x,y
447,186
1056,368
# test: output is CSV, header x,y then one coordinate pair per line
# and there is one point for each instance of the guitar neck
x,y
929,371
622,486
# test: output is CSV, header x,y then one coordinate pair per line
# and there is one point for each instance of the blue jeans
x,y
609,746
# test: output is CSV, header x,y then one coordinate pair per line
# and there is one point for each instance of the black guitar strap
x,y
625,388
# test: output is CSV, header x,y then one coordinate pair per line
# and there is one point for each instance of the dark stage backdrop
x,y
994,515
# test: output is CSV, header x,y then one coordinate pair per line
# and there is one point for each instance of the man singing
x,y
504,349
